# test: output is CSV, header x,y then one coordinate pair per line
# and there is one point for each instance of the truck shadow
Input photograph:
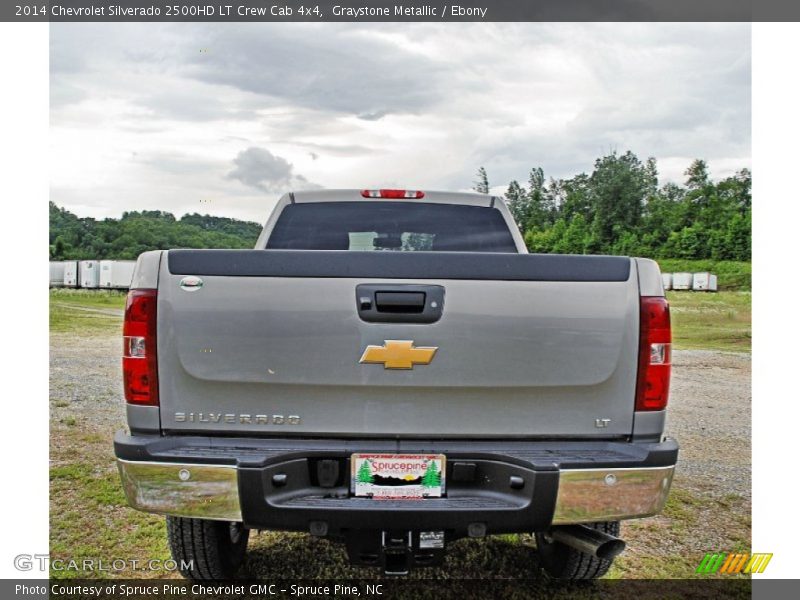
x,y
298,556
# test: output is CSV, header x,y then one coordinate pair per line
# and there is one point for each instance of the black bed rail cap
x,y
399,265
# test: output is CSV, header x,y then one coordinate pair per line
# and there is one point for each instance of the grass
x,y
685,514
87,311
720,321
89,517
91,298
682,506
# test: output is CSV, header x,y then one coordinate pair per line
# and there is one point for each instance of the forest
x,y
617,208
72,237
620,208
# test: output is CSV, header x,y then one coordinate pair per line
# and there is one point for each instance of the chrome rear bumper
x,y
592,495
212,491
182,490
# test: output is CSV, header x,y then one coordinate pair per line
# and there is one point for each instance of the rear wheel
x,y
563,562
207,550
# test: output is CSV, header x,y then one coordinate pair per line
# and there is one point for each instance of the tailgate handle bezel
x,y
399,303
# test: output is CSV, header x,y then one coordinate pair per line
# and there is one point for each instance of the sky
x,y
224,118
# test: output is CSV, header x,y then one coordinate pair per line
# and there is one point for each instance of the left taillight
x,y
655,354
139,358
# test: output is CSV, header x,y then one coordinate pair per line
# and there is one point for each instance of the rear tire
x,y
207,550
562,562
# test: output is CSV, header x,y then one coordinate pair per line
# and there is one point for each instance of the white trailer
x,y
89,273
704,282
57,272
681,281
667,279
116,274
71,274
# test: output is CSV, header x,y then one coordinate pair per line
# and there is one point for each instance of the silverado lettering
x,y
182,417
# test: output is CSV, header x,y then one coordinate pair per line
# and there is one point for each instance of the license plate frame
x,y
398,476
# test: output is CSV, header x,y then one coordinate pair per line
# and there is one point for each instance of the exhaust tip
x,y
589,540
610,549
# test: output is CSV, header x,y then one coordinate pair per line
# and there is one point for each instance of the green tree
x,y
544,241
738,238
517,201
365,473
540,213
136,232
576,197
620,208
576,237
481,184
619,186
432,477
697,177
533,208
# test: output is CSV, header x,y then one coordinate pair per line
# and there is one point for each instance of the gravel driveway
x,y
710,416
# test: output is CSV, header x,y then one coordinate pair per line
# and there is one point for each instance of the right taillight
x,y
655,354
139,360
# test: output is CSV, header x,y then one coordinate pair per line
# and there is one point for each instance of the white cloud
x,y
262,170
222,118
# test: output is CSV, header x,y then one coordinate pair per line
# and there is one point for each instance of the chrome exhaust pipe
x,y
588,540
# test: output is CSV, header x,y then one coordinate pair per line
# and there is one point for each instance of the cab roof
x,y
355,195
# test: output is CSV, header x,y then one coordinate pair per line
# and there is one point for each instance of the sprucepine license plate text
x,y
398,475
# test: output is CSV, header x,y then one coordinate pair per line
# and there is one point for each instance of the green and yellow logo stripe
x,y
721,562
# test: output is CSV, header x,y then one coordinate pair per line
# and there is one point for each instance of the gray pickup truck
x,y
391,369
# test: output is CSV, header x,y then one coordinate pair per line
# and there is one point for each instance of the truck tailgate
x,y
526,345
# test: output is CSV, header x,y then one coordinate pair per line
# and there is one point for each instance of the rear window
x,y
391,226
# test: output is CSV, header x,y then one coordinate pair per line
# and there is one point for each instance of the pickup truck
x,y
392,370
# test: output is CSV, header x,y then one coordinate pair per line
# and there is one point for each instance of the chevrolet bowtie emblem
x,y
398,354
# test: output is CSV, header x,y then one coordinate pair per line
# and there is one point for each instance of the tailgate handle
x,y
400,302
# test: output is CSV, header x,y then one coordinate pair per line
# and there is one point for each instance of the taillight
x,y
139,361
655,354
396,194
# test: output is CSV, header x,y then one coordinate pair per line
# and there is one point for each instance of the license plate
x,y
398,475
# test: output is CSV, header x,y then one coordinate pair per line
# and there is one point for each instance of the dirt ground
x,y
709,508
